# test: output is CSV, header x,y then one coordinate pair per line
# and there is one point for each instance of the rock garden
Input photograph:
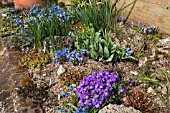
x,y
83,57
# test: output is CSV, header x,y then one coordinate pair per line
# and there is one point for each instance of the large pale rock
x,y
114,108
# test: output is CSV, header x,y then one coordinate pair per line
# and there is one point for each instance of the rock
x,y
134,72
114,108
150,90
164,90
4,50
142,61
61,70
165,41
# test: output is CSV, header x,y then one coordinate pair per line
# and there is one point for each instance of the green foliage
x,y
71,104
32,59
164,98
99,45
7,27
89,13
40,30
71,77
98,13
150,32
40,24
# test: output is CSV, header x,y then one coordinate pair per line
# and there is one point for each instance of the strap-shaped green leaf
x,y
106,52
104,42
100,50
93,54
88,53
110,58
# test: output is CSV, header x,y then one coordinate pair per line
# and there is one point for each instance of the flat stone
x,y
114,108
61,70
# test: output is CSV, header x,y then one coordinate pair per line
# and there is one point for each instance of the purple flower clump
x,y
95,88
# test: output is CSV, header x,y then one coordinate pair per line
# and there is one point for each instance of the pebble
x,y
134,72
164,90
150,90
61,70
142,61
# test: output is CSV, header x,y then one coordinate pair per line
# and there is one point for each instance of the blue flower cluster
x,y
37,13
65,94
60,110
46,14
80,110
128,51
72,56
95,88
148,29
145,28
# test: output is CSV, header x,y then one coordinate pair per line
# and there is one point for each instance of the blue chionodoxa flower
x,y
71,87
71,56
12,10
128,51
30,20
60,110
123,18
80,110
18,21
65,94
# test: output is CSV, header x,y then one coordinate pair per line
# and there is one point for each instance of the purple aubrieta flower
x,y
113,77
122,90
97,105
80,103
93,92
94,73
96,86
100,73
96,96
131,82
106,95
